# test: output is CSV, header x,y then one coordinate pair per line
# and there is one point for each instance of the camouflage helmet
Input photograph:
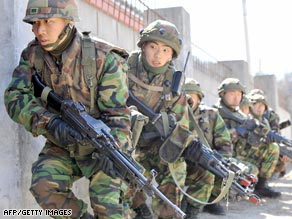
x,y
193,87
162,31
256,91
257,98
44,9
230,84
245,101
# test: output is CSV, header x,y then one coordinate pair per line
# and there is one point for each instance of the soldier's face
x,y
233,98
195,99
47,31
157,53
259,108
245,109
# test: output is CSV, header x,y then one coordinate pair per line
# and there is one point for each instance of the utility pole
x,y
246,35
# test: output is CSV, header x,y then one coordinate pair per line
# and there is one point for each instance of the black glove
x,y
198,154
105,164
241,131
271,137
248,126
64,134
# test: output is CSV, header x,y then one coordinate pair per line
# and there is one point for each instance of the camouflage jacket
x,y
273,119
239,143
159,101
67,80
214,129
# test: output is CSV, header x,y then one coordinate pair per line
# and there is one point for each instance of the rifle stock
x,y
98,135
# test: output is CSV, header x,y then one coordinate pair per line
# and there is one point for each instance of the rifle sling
x,y
142,84
226,183
45,94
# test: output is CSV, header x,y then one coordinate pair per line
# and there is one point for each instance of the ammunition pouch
x,y
138,121
173,146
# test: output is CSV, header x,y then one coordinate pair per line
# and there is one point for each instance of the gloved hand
x,y
270,137
248,126
105,164
241,131
64,134
199,154
193,152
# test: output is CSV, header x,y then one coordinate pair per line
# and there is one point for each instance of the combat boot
x,y
282,173
87,216
215,209
263,190
143,212
191,211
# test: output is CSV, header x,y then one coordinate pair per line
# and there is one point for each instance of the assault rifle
x,y
206,158
253,125
98,135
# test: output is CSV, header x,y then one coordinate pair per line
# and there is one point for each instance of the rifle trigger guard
x,y
152,178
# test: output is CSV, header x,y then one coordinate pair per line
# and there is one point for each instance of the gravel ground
x,y
269,209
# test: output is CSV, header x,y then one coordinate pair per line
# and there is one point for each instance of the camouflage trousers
x,y
166,185
53,175
280,167
265,158
200,184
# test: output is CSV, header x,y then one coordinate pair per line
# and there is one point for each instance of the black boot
x,y
215,209
263,190
191,211
143,212
282,173
87,216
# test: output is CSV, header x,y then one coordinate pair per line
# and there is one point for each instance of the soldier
x,y
274,123
58,56
151,80
264,156
245,105
215,133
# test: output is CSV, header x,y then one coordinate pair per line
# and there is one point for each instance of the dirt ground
x,y
269,209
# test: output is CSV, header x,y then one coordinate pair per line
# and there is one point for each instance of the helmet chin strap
x,y
66,31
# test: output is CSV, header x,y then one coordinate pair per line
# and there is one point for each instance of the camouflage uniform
x,y
273,119
57,167
263,156
147,149
217,136
272,154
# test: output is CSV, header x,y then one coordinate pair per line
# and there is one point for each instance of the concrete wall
x,y
15,143
105,27
268,84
